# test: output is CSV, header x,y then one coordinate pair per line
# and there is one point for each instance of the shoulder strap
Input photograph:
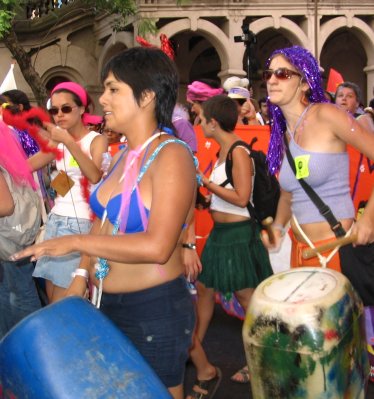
x,y
323,208
156,152
228,162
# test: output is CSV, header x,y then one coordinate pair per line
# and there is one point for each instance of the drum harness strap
x,y
324,210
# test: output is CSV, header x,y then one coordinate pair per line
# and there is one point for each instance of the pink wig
x,y
13,158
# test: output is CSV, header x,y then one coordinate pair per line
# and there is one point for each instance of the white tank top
x,y
73,204
218,176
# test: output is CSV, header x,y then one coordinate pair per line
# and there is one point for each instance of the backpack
x,y
20,228
266,190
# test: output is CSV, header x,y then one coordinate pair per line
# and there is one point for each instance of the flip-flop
x,y
241,376
210,386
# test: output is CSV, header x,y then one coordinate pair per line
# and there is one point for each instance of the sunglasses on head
x,y
280,73
65,109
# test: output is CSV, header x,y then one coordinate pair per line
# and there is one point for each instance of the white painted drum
x,y
304,337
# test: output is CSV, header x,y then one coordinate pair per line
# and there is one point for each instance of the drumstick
x,y
267,222
311,252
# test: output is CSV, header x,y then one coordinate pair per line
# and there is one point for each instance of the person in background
x,y
198,92
19,102
18,293
114,141
234,258
183,127
263,115
142,208
246,109
79,167
348,97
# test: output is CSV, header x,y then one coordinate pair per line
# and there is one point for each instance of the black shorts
x,y
159,321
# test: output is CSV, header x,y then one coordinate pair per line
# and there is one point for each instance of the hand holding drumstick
x,y
311,252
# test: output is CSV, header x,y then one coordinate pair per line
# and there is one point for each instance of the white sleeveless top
x,y
218,176
73,204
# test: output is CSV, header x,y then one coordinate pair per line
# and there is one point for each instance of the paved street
x,y
223,344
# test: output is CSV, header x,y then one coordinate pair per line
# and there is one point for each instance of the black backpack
x,y
266,190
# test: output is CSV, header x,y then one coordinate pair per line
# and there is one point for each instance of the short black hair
x,y
18,97
223,109
144,70
262,100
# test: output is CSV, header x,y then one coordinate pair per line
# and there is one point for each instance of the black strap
x,y
229,160
324,209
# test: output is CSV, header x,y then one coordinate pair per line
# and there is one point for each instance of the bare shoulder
x,y
328,111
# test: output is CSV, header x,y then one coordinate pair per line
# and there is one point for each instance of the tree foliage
x,y
12,11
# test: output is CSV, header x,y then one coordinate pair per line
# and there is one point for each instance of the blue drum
x,y
304,337
71,350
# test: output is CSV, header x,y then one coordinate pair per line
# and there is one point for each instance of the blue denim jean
x,y
18,293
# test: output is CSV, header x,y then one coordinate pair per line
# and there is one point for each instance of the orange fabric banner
x,y
361,176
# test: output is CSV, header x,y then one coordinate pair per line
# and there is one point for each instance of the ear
x,y
147,98
213,123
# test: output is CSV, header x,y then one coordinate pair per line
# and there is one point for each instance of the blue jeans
x,y
18,294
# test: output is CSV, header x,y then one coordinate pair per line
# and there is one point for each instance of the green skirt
x,y
234,257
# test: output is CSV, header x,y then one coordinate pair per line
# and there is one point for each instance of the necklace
x,y
298,122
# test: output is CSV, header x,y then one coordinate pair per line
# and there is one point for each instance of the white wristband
x,y
279,227
81,272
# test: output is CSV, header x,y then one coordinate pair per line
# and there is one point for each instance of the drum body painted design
x,y
71,350
304,337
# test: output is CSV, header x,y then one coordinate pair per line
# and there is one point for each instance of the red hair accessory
x,y
166,46
31,121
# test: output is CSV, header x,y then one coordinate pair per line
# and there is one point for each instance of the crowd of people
x,y
121,230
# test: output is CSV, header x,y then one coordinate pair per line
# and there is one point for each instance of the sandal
x,y
208,387
241,376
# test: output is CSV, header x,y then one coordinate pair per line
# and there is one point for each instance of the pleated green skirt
x,y
234,257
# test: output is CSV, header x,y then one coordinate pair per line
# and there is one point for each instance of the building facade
x,y
211,38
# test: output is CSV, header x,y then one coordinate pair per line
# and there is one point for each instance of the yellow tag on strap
x,y
302,166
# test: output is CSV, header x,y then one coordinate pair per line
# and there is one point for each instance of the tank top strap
x,y
157,151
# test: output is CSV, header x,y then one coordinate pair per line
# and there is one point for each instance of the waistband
x,y
153,293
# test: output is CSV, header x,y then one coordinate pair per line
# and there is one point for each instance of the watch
x,y
189,245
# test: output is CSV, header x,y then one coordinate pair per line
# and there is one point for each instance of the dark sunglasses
x,y
65,109
280,73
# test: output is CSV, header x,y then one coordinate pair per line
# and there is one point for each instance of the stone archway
x,y
353,56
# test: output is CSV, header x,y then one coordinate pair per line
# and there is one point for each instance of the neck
x,y
78,132
293,116
140,138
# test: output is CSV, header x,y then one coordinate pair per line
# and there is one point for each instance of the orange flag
x,y
334,80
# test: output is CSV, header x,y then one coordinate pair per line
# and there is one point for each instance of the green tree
x,y
14,11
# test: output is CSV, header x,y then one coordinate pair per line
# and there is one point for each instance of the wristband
x,y
279,227
81,272
189,245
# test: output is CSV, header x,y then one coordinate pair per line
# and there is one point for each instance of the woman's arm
x,y
173,187
347,129
242,173
40,160
281,220
191,260
78,285
364,228
91,168
6,202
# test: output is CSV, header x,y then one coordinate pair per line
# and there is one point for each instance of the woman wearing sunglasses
x,y
317,133
81,155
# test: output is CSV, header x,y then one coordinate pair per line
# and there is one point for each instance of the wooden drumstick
x,y
311,252
267,222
